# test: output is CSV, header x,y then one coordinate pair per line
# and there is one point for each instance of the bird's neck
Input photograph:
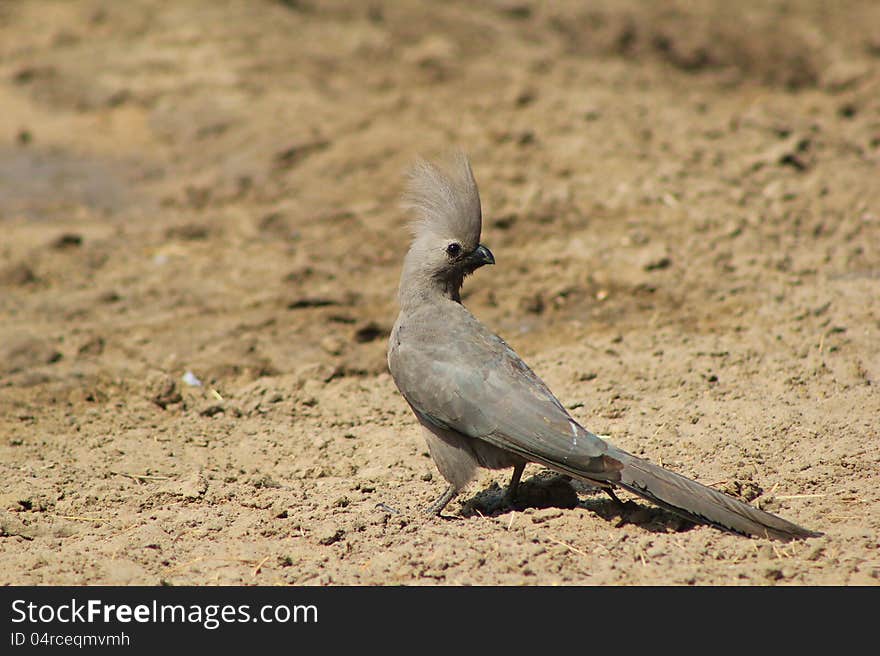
x,y
416,290
452,288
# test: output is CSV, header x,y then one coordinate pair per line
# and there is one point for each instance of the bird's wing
x,y
469,380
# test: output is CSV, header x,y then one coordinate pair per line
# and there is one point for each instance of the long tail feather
x,y
701,504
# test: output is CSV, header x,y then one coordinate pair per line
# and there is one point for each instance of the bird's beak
x,y
480,256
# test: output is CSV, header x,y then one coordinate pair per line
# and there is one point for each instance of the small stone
x,y
533,304
110,296
193,487
327,533
191,379
188,232
370,332
545,514
658,263
333,345
67,240
264,481
23,353
94,346
17,275
11,526
655,552
162,390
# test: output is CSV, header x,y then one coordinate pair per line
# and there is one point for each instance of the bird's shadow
x,y
547,489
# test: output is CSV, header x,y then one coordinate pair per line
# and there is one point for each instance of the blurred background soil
x,y
200,240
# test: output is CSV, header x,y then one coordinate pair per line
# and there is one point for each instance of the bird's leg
x,y
437,507
510,495
610,492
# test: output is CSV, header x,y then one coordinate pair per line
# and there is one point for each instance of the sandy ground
x,y
683,199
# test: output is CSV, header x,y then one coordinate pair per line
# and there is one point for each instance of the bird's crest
x,y
444,200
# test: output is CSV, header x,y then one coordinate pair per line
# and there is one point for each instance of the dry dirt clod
x,y
163,391
326,533
66,241
26,353
17,275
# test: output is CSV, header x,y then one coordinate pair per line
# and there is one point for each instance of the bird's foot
x,y
436,508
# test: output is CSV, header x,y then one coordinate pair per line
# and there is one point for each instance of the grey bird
x,y
480,405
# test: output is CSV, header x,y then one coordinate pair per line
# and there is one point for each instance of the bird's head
x,y
447,219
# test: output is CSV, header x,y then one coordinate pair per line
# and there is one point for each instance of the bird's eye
x,y
453,250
